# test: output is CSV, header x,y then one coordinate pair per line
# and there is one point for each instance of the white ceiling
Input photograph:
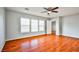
x,y
63,11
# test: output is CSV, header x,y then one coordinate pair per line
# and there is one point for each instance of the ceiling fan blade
x,y
55,11
55,8
46,8
43,11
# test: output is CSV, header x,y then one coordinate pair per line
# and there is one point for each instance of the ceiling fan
x,y
50,10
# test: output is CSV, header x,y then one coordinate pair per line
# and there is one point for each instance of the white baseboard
x,y
71,36
39,34
23,37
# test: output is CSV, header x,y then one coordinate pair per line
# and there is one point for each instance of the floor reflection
x,y
43,43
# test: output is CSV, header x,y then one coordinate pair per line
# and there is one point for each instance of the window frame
x,y
44,25
30,25
37,25
20,25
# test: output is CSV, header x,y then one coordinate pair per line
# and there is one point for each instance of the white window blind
x,y
31,25
41,25
25,25
34,25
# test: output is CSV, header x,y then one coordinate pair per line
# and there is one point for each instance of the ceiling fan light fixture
x,y
49,12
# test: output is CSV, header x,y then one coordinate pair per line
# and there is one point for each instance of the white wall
x,y
71,26
2,28
13,26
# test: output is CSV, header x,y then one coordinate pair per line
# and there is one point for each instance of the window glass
x,y
41,25
34,25
25,25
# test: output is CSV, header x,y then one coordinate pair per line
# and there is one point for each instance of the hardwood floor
x,y
43,43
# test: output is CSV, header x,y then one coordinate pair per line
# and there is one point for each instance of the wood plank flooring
x,y
43,43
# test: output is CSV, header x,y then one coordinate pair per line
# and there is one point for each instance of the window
x,y
41,25
25,25
34,25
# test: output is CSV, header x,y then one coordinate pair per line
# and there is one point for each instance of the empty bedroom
x,y
39,29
